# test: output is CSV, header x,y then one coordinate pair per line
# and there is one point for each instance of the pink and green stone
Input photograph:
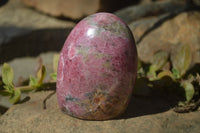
x,y
97,68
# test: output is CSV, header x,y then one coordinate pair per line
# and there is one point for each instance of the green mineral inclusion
x,y
70,98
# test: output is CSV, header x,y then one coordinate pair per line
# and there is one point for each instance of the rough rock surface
x,y
75,9
133,13
31,117
169,34
141,26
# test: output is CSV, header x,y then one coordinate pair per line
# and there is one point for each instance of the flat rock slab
x,y
24,32
31,117
75,9
17,19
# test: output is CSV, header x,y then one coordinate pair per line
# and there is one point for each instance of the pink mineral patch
x,y
97,68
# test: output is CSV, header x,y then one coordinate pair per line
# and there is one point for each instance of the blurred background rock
x,y
76,9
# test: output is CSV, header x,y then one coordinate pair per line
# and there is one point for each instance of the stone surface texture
x,y
31,117
97,68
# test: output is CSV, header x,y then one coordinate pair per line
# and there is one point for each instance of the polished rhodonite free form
x,y
97,68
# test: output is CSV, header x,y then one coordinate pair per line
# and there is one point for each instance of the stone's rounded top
x,y
96,25
101,16
97,68
107,21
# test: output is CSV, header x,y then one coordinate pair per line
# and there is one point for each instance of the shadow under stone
x,y
3,109
33,43
164,95
146,105
3,2
114,5
193,70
